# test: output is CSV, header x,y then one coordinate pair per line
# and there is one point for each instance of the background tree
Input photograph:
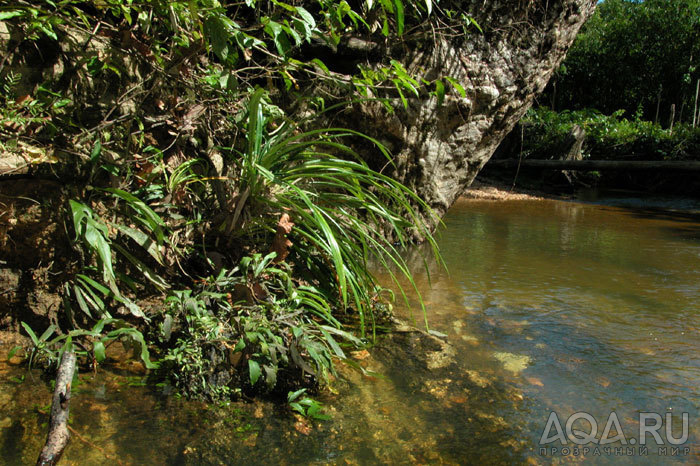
x,y
635,56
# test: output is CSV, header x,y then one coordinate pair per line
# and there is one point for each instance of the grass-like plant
x,y
344,213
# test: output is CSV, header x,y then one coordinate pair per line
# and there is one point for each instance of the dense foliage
x,y
247,228
546,135
635,56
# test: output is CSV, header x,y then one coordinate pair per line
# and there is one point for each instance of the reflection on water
x,y
548,306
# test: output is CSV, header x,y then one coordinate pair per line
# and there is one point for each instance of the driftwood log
x,y
58,423
589,165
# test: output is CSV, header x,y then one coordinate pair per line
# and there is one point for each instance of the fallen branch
x,y
588,165
58,422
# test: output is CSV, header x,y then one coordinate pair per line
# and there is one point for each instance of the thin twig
x,y
96,447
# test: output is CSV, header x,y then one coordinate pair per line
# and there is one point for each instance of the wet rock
x,y
534,381
471,340
442,358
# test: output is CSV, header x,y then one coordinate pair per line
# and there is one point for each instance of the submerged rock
x,y
513,362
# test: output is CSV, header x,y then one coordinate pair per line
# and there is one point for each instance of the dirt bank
x,y
490,189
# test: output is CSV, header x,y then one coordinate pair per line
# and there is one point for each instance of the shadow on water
x,y
681,214
684,225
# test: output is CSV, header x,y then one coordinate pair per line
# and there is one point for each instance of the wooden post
x,y
695,108
58,436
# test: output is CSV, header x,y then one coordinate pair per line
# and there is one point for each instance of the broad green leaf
x,y
458,87
96,151
293,34
47,333
473,21
5,15
403,74
333,344
151,219
142,239
239,346
145,270
99,287
218,36
79,212
399,16
133,308
79,13
306,17
13,351
138,337
254,371
298,408
321,65
97,328
31,334
81,300
279,36
47,29
342,333
255,123
99,244
291,396
270,376
398,85
440,92
98,349
286,6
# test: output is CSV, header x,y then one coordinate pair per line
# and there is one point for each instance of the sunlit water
x,y
550,306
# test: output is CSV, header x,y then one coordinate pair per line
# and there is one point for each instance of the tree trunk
x,y
672,119
439,149
695,109
577,136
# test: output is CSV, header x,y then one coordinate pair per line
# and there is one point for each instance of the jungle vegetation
x,y
206,209
631,80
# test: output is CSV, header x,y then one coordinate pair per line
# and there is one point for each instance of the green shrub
x,y
607,136
245,328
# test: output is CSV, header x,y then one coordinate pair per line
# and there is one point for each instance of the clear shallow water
x,y
604,300
550,306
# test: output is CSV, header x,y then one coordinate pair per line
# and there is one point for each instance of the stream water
x,y
549,307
